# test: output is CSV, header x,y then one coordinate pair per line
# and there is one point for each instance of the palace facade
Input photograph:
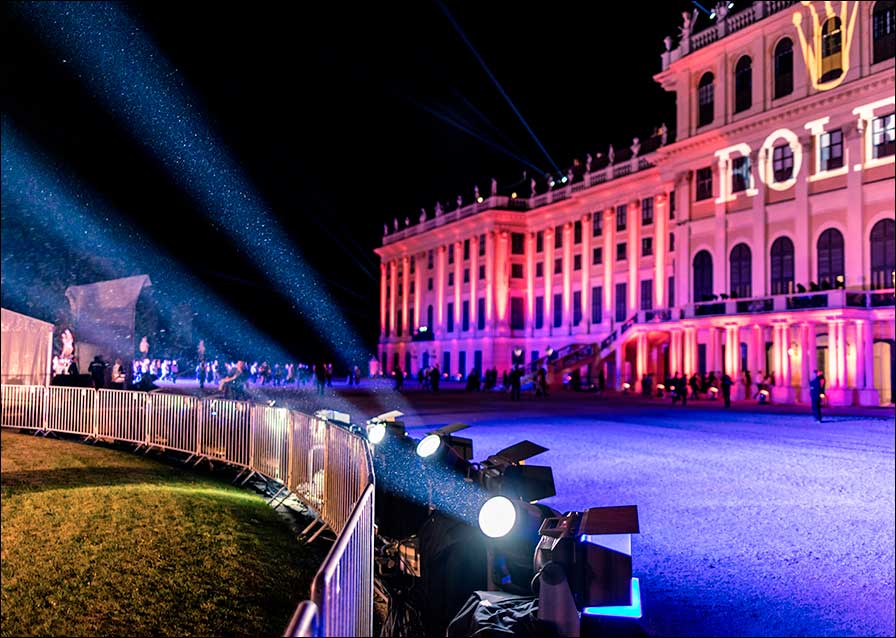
x,y
760,239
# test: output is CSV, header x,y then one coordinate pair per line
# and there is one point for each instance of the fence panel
x,y
172,421
226,431
122,415
347,476
307,472
343,588
270,438
71,410
24,406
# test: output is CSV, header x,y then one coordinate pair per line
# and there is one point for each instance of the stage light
x,y
428,445
479,199
497,517
513,195
730,5
376,432
563,179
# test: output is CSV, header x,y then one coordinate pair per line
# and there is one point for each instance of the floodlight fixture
x,y
497,516
432,442
429,445
376,432
506,472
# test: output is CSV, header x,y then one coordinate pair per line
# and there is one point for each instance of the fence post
x,y
253,425
96,414
290,426
200,420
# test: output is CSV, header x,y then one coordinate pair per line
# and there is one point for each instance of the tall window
x,y
597,304
883,254
647,294
577,262
883,135
782,266
465,316
702,276
740,174
398,324
517,244
450,253
830,258
704,183
429,258
743,84
671,294
429,312
558,310
621,214
539,313
466,249
741,267
597,256
621,294
671,242
784,68
558,237
705,100
516,271
831,50
647,246
577,232
597,223
647,211
480,313
883,30
517,316
482,245
576,307
620,251
782,162
539,241
450,317
832,150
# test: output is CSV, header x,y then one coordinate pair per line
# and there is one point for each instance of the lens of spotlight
x,y
429,445
497,517
376,432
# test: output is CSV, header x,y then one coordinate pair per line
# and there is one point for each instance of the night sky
x,y
341,118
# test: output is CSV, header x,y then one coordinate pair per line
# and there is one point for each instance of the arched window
x,y
883,30
705,100
743,84
831,50
883,254
741,267
784,68
429,317
703,276
830,259
782,266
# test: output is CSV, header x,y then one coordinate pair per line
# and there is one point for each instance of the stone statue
x,y
636,146
407,221
494,187
664,134
385,229
460,202
668,42
611,154
687,23
722,10
476,193
422,215
395,223
532,187
588,163
569,176
438,209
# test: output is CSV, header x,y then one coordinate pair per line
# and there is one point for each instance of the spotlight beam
x,y
497,84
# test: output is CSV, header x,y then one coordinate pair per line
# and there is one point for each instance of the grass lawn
x,y
102,542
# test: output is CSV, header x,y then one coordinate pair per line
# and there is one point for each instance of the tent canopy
x,y
26,349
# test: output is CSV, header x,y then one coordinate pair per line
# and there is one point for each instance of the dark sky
x,y
331,112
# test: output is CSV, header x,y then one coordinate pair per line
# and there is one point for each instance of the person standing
x,y
726,384
320,376
683,389
815,386
434,378
515,382
399,378
748,384
97,370
117,376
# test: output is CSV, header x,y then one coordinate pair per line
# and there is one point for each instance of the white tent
x,y
26,349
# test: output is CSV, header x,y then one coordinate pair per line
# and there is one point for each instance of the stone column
x,y
842,380
549,280
474,283
620,364
441,274
405,294
586,272
567,278
868,394
530,284
609,259
634,255
418,290
832,379
854,246
502,282
803,252
660,222
490,281
807,358
785,355
383,300
640,361
393,297
690,350
458,284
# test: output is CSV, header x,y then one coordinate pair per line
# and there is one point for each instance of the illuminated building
x,y
777,197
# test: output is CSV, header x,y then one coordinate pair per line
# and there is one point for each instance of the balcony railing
x,y
798,301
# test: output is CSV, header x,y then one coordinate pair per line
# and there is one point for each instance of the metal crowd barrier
x,y
324,465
